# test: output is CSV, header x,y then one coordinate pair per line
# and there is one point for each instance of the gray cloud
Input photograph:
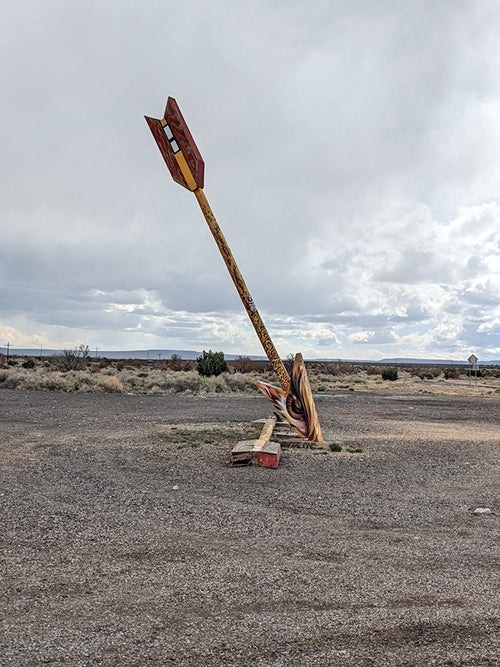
x,y
352,160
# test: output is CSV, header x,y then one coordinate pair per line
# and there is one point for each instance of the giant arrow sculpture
x,y
293,399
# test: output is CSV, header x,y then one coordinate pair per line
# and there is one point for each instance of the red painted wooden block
x,y
269,456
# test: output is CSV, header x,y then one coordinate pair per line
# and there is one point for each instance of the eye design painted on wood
x,y
296,406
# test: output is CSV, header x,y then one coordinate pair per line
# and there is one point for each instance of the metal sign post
x,y
473,367
294,399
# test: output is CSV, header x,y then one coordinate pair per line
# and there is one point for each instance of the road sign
x,y
473,360
175,142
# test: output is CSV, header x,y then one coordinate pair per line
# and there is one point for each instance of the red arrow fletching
x,y
182,139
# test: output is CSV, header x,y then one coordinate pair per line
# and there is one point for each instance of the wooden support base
x,y
260,451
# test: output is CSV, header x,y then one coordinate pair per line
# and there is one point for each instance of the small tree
x,y
76,359
211,363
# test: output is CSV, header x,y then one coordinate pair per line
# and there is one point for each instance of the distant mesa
x,y
120,354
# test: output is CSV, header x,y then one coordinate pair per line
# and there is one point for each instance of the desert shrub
x,y
315,367
72,360
242,365
239,382
175,363
339,368
215,384
158,381
263,367
134,363
374,370
177,382
429,373
186,384
211,363
49,382
14,380
111,384
29,363
390,373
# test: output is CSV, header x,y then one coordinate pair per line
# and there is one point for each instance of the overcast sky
x,y
352,159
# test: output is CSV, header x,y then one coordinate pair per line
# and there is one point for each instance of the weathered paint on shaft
x,y
235,273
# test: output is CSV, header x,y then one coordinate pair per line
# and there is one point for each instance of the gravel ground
x,y
118,548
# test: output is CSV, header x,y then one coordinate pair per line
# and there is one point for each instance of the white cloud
x,y
10,336
352,157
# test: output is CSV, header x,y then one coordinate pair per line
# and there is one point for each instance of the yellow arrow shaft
x,y
235,273
260,329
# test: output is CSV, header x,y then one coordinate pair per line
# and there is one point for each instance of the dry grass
x,y
130,380
141,377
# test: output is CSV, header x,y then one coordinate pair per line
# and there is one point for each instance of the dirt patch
x,y
126,540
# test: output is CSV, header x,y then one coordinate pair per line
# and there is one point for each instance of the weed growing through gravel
x,y
335,447
196,435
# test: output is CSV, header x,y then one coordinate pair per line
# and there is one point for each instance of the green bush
x,y
211,363
390,373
